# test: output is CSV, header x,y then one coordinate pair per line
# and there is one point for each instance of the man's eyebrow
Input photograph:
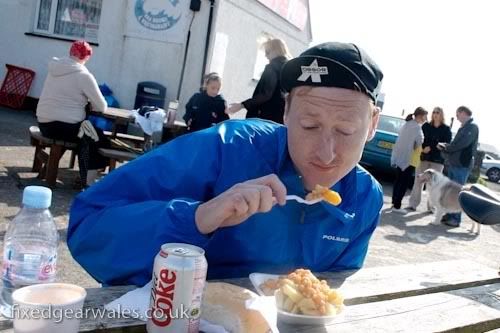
x,y
319,101
341,105
316,102
308,112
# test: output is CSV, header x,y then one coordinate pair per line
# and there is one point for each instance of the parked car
x,y
377,152
491,168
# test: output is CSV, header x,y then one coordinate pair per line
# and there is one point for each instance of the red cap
x,y
80,49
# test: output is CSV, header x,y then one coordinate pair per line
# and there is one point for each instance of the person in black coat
x,y
268,100
206,108
435,131
459,155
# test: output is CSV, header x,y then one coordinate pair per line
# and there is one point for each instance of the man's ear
x,y
373,122
287,109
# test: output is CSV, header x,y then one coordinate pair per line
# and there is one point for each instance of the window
x,y
73,19
390,124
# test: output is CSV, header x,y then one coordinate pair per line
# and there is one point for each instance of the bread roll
x,y
224,305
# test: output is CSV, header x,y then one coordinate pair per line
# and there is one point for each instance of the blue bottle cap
x,y
37,197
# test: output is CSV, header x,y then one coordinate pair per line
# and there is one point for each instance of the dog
x,y
443,195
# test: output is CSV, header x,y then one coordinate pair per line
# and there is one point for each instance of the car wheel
x,y
493,174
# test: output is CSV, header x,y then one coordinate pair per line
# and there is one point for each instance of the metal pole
x,y
185,58
207,39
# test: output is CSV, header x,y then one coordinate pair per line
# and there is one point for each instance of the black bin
x,y
150,94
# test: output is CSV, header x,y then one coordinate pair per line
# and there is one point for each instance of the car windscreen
x,y
390,124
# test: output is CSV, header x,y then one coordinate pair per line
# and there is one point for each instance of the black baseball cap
x,y
333,64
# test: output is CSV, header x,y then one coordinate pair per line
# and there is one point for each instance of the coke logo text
x,y
163,297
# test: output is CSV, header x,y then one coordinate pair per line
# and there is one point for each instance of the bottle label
x,y
27,268
48,270
30,265
7,268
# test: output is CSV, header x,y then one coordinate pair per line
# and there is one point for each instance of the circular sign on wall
x,y
158,14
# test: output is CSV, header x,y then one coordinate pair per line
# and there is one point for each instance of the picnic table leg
x,y
42,158
56,152
112,164
37,161
72,159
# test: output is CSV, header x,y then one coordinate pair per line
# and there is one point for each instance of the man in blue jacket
x,y
224,188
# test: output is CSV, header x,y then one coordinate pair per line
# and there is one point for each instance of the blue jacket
x,y
118,225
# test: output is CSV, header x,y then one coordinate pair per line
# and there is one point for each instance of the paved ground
x,y
398,239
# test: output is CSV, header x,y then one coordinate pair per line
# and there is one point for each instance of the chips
x,y
302,293
269,286
321,192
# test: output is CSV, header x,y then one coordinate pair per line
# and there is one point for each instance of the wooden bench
x,y
47,164
117,155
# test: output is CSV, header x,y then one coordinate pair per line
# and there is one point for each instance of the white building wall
x,y
122,61
16,18
119,61
245,22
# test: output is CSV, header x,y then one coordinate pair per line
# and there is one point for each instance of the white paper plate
x,y
298,319
290,318
259,278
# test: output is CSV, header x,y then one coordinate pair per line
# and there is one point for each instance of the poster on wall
x,y
160,20
294,11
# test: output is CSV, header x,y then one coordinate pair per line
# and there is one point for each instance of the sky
x,y
432,52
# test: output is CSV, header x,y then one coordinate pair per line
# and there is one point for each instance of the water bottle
x,y
172,112
30,246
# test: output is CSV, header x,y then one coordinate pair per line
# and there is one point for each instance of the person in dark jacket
x,y
206,108
459,154
268,100
434,131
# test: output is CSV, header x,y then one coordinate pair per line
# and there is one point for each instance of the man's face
x,y
327,130
461,116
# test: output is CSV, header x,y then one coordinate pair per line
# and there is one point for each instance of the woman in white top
x,y
410,137
68,88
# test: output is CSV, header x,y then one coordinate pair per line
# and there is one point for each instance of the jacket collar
x,y
467,122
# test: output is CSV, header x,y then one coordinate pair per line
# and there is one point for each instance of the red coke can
x,y
179,275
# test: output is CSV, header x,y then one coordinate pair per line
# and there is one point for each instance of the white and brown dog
x,y
443,195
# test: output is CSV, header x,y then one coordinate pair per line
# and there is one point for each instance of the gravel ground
x,y
398,239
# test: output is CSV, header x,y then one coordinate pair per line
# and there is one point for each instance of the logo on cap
x,y
313,71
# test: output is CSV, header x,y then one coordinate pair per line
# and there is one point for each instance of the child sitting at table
x,y
206,108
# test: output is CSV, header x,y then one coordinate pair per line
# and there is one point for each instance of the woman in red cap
x,y
68,88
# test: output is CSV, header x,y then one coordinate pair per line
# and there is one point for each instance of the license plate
x,y
385,144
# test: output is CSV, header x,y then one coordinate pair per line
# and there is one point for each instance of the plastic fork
x,y
346,217
302,200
